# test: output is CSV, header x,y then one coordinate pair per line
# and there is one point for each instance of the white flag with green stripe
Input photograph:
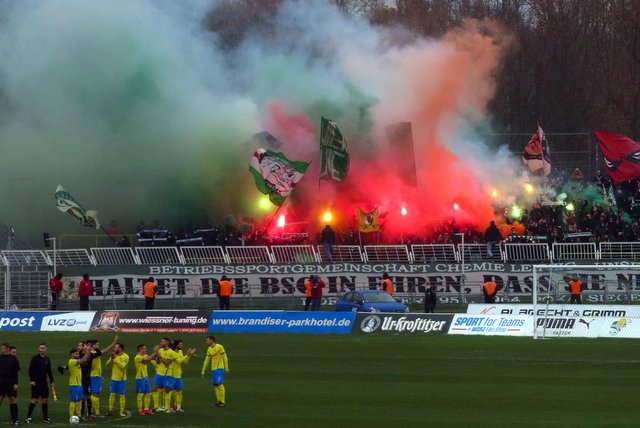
x,y
334,157
66,203
275,175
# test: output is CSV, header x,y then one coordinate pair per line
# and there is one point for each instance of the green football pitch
x,y
379,381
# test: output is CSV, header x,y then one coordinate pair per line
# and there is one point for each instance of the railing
x,y
204,255
620,251
249,255
387,253
114,256
434,253
283,254
527,252
342,254
77,257
299,254
575,251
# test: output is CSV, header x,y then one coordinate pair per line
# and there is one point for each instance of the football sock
x,y
95,404
72,408
220,393
45,410
167,400
147,401
13,409
31,407
178,395
112,401
139,400
156,398
123,401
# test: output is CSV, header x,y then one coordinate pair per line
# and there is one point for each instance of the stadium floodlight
x,y
403,211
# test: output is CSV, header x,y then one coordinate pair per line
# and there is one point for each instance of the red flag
x,y
621,155
536,153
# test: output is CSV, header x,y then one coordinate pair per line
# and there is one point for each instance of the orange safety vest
x,y
307,288
575,286
150,289
225,288
387,285
490,288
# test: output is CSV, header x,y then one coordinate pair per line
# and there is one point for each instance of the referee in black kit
x,y
39,370
9,368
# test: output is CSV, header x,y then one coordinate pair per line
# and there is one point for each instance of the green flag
x,y
275,175
334,157
66,203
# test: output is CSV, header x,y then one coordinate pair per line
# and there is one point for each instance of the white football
x,y
74,420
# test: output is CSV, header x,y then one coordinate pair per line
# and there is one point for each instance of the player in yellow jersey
x,y
143,387
75,378
217,356
118,385
160,381
175,374
96,374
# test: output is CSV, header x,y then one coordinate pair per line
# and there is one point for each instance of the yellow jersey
x,y
119,366
141,366
218,358
176,365
75,374
168,354
96,364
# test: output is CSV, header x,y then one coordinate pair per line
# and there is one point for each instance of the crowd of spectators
x,y
590,210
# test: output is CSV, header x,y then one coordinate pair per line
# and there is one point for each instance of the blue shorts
x,y
159,380
177,384
96,384
143,386
217,377
75,392
118,387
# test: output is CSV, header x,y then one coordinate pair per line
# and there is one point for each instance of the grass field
x,y
381,381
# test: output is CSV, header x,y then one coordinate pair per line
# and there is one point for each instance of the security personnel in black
x,y
39,370
9,368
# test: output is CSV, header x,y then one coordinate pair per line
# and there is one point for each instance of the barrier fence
x,y
309,254
124,292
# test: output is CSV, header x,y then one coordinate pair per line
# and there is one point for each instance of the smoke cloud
x,y
144,110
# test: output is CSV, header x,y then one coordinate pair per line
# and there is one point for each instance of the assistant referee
x,y
9,368
39,370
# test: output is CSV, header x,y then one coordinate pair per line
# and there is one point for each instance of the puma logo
x,y
585,323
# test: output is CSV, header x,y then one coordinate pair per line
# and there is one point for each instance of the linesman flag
x,y
275,175
536,153
334,157
66,203
368,222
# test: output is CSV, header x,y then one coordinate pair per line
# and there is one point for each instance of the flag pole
x,y
264,232
108,234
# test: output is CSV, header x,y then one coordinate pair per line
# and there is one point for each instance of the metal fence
x,y
299,254
261,297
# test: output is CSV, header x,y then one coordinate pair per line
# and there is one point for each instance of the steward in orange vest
x,y
575,288
150,290
387,284
489,289
225,290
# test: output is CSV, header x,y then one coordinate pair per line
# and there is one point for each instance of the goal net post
x,y
604,287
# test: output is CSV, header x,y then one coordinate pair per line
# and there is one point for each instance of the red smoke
x,y
438,87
